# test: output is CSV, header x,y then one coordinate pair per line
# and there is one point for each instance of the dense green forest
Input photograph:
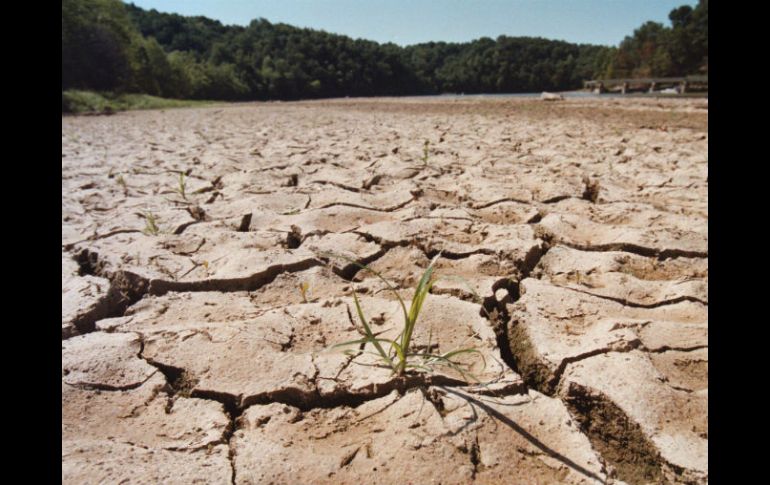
x,y
110,46
656,50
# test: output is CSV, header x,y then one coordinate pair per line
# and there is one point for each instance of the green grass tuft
x,y
151,224
399,356
182,189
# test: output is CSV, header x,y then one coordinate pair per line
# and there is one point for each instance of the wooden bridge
x,y
681,84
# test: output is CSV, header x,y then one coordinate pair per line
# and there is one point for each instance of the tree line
x,y
657,50
111,46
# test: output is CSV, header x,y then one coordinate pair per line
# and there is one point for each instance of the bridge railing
x,y
700,79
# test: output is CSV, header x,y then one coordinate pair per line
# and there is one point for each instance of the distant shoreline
x,y
566,94
86,103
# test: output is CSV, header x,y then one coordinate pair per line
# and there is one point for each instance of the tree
x,y
96,39
655,50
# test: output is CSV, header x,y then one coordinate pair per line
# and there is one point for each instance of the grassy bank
x,y
78,102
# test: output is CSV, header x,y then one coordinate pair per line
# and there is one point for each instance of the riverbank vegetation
x,y
80,102
108,46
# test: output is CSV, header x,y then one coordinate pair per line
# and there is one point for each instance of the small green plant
x,y
151,224
121,181
425,151
400,355
303,287
182,186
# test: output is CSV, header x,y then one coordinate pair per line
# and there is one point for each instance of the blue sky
x,y
406,22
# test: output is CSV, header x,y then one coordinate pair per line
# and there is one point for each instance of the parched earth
x,y
573,243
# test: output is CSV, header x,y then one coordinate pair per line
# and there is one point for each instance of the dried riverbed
x,y
192,355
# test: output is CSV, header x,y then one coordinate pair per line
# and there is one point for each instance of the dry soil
x,y
190,353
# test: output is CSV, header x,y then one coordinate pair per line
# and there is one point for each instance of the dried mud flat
x,y
191,355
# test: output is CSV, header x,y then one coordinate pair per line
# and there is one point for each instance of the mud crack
x,y
181,383
248,283
631,304
125,289
636,249
618,439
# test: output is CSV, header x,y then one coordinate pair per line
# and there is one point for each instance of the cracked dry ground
x,y
191,356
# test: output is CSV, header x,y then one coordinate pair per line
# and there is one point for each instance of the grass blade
x,y
399,353
367,268
368,331
423,288
350,342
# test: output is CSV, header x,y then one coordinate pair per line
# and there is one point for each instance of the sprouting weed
x,y
400,355
151,224
121,181
303,287
425,150
182,186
